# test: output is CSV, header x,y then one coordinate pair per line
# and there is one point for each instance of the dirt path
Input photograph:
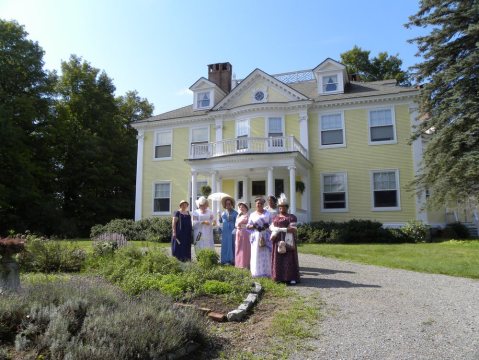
x,y
372,312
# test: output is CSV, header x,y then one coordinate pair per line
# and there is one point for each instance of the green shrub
x,y
104,248
88,319
151,229
43,255
207,258
353,231
415,231
215,287
456,230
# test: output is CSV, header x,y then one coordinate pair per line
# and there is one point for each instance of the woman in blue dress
x,y
181,228
228,219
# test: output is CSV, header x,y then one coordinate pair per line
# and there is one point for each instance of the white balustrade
x,y
241,145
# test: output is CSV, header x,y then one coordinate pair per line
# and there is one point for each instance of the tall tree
x,y
27,186
449,101
381,67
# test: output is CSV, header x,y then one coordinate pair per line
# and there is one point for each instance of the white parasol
x,y
220,196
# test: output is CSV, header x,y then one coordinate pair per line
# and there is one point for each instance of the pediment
x,y
259,81
201,84
329,65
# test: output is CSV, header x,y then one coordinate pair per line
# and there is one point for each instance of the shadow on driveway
x,y
319,271
321,283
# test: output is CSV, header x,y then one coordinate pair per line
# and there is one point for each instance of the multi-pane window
x,y
381,125
332,130
258,187
242,132
278,187
385,189
203,100
334,191
199,141
163,145
330,83
162,198
275,130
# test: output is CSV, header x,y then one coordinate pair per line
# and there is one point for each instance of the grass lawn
x,y
86,244
456,258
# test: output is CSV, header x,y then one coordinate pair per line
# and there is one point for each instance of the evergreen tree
x,y
449,100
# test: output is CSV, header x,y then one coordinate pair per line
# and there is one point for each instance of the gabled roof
x,y
327,62
203,83
253,76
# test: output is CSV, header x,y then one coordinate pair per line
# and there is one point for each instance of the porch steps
x,y
473,230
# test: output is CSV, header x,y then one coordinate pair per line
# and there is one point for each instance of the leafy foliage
x,y
455,230
207,258
43,255
150,229
381,67
449,105
416,231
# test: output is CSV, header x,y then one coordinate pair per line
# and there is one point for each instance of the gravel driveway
x,y
371,312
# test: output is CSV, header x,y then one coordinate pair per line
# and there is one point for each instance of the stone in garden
x,y
236,315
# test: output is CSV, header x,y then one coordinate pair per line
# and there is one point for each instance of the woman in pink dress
x,y
242,244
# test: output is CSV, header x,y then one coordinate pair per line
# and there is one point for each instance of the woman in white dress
x,y
261,246
203,222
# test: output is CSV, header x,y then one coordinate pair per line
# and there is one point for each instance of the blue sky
x,y
160,48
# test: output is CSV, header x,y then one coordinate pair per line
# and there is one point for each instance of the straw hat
x,y
242,202
182,202
201,201
223,201
260,199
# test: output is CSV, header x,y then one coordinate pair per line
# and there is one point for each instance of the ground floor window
x,y
385,185
334,192
162,197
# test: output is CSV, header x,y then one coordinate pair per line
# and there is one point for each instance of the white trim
x,y
341,113
139,175
154,144
346,197
264,90
393,119
398,190
153,212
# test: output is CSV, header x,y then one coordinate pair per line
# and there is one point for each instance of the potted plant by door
x,y
300,186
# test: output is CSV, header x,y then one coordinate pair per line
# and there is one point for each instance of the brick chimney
x,y
221,74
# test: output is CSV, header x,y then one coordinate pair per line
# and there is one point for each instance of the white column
x,y
292,189
246,196
214,205
219,136
307,195
219,184
417,154
139,175
194,194
303,130
270,182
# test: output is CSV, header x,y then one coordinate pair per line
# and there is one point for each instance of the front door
x,y
258,188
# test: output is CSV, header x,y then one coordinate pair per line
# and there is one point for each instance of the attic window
x,y
203,100
330,83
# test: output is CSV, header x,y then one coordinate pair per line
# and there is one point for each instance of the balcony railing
x,y
244,145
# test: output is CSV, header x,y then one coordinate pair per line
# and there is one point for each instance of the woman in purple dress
x,y
182,227
284,263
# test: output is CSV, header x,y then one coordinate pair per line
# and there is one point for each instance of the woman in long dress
x,y
203,222
242,244
285,264
228,219
181,229
261,246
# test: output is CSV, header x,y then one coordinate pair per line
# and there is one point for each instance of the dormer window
x,y
331,77
330,83
203,100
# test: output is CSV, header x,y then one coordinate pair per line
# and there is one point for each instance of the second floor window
x,y
332,130
199,138
242,132
163,145
275,129
381,126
